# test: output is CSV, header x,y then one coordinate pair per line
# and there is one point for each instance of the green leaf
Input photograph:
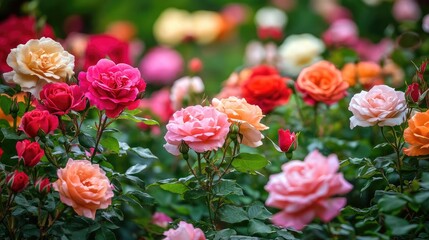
x,y
232,214
421,197
195,194
258,210
9,133
398,226
104,234
86,140
136,169
227,187
224,234
5,103
142,197
258,227
425,180
390,203
144,153
176,187
110,143
249,162
128,116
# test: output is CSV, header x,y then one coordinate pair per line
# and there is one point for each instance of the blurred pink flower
x,y
161,65
374,52
184,231
306,189
406,10
330,10
343,32
382,106
183,89
161,219
201,128
160,104
425,23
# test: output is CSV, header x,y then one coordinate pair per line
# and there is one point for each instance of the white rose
x,y
270,17
183,88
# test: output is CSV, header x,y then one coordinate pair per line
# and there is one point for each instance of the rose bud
x,y
413,92
195,65
288,141
43,185
17,181
30,152
161,219
37,121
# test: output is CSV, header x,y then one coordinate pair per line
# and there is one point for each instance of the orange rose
x,y
417,135
321,82
84,187
368,74
245,114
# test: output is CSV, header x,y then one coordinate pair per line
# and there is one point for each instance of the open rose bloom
x,y
307,189
184,231
417,135
84,187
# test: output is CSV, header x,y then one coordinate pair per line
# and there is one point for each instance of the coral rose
x,y
246,115
84,187
184,231
60,98
306,189
366,73
37,63
201,128
112,87
30,152
321,82
38,120
417,135
266,91
382,106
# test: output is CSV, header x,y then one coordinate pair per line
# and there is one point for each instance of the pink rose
x,y
183,89
373,52
184,231
161,66
425,23
382,106
84,187
60,98
112,87
160,104
406,10
161,219
202,128
30,152
343,32
306,189
38,120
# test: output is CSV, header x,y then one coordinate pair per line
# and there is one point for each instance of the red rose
x,y
17,181
102,46
288,141
263,70
18,30
43,185
413,92
36,120
29,151
266,91
60,98
1,152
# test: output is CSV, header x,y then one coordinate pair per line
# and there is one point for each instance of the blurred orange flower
x,y
417,135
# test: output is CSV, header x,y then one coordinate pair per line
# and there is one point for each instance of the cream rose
x,y
245,114
37,63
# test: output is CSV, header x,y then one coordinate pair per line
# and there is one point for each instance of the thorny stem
x,y
101,127
397,148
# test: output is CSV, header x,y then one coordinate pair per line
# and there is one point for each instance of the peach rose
x,y
382,106
38,62
321,82
84,187
367,73
417,135
245,114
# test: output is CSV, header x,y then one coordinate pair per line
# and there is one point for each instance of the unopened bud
x,y
183,148
14,108
43,185
17,181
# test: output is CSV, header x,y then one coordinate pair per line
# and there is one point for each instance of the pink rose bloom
x,y
306,189
161,66
202,128
84,187
112,87
161,219
341,33
184,231
406,10
159,104
373,52
183,88
382,106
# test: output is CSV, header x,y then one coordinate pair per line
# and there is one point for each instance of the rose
x,y
321,82
161,219
19,30
266,91
102,46
183,89
367,73
43,185
37,63
270,22
306,189
17,181
201,128
112,87
288,141
1,152
184,231
382,106
342,32
413,92
38,120
417,135
30,152
247,116
195,65
60,98
84,187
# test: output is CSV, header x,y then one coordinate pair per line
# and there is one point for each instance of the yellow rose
x,y
38,62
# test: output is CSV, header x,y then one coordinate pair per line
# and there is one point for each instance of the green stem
x,y
102,125
298,106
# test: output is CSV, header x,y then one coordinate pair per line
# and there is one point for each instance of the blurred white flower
x,y
270,17
298,52
183,89
257,53
372,2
